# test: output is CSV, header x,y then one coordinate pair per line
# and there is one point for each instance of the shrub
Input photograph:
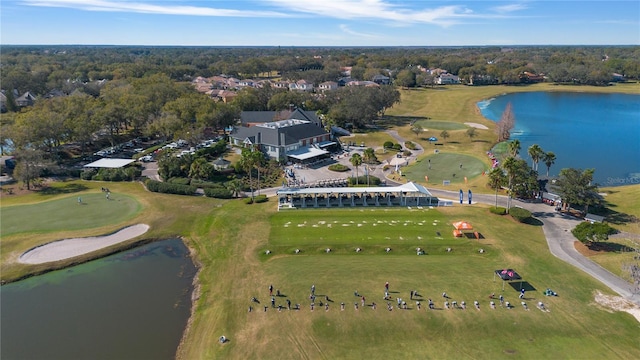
x,y
397,147
260,199
362,180
87,174
206,184
409,145
520,214
248,201
388,145
218,193
406,153
157,186
498,210
587,232
338,167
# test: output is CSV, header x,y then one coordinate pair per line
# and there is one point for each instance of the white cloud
x,y
510,8
147,8
347,30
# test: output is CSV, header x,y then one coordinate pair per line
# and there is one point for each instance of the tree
x,y
444,134
576,188
417,129
369,156
536,153
200,169
30,163
514,148
497,179
510,166
549,159
356,161
588,232
471,132
235,186
505,124
251,158
405,79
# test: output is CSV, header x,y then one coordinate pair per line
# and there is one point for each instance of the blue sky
x,y
319,22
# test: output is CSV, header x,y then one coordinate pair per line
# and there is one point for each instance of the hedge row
x,y
362,180
167,188
256,199
338,167
520,214
218,193
498,210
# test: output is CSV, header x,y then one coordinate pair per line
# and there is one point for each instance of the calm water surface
x,y
132,305
584,130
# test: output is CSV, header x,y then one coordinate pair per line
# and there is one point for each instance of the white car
x,y
146,158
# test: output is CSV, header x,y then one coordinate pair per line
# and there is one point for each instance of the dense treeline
x,y
66,68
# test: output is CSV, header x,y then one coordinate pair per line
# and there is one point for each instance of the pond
x,y
584,130
131,305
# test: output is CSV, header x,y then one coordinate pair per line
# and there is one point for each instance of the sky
x,y
319,22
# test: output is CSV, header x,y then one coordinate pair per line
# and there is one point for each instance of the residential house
x,y
328,86
343,81
281,85
346,71
363,83
381,79
26,99
247,83
301,85
223,95
447,79
529,77
54,94
615,77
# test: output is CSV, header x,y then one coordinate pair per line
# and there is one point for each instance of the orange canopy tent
x,y
462,225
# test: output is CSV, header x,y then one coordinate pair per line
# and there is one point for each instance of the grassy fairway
x,y
238,270
67,214
445,166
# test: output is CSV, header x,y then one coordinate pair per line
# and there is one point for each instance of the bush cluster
x,y
520,214
218,193
391,145
498,210
256,199
587,232
409,145
362,180
338,167
167,188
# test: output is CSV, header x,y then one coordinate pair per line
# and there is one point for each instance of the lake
x,y
584,130
131,305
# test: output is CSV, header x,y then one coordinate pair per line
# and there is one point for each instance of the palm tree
x,y
235,186
549,159
536,153
369,156
510,166
250,159
497,179
514,147
356,160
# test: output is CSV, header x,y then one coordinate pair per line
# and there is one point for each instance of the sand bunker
x,y
476,125
68,248
617,303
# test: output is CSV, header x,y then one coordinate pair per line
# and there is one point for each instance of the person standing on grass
x,y
79,200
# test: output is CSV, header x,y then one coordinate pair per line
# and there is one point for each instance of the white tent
x,y
109,163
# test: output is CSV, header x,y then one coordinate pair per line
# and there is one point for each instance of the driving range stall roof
x,y
304,153
405,188
109,163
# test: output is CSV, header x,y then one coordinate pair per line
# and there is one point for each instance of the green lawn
x,y
444,166
440,125
67,214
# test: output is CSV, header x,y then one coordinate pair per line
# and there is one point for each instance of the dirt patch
x,y
617,303
584,250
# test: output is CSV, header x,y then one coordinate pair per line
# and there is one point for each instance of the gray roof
x,y
409,188
272,135
247,117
